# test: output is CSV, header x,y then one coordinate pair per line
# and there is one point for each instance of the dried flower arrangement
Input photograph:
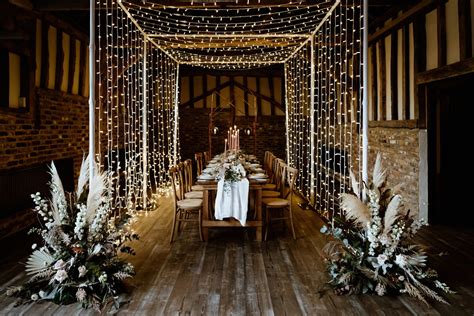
x,y
372,248
78,261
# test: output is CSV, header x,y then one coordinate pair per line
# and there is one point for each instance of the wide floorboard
x,y
234,275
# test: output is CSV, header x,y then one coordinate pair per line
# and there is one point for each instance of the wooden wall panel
x,y
183,91
198,90
432,40
264,89
86,75
15,80
452,32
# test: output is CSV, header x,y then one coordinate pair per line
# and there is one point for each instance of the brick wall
x,y
62,132
194,133
56,127
400,152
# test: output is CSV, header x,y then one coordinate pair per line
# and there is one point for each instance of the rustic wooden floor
x,y
233,275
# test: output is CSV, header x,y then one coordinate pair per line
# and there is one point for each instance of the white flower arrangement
x,y
371,250
78,261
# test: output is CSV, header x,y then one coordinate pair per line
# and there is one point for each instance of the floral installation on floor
x,y
372,248
82,238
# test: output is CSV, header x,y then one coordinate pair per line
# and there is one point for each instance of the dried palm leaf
x,y
39,261
58,197
96,193
355,184
379,175
355,209
83,177
392,213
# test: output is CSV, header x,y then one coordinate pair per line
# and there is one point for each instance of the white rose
x,y
60,276
34,297
59,265
82,271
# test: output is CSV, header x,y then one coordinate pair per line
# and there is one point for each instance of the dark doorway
x,y
450,170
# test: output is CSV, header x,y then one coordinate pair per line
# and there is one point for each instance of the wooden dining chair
x,y
199,163
183,208
278,176
271,165
206,157
189,193
271,205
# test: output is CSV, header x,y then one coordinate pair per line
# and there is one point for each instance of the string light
x,y
145,43
332,124
135,78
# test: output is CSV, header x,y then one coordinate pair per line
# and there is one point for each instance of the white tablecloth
x,y
232,202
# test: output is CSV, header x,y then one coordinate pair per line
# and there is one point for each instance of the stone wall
x,y
194,133
401,156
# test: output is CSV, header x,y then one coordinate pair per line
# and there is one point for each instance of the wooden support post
x,y
59,61
383,81
272,94
259,100
406,72
394,75
44,55
191,90
82,67
246,96
419,35
204,89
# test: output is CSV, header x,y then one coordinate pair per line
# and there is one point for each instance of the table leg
x,y
205,214
258,211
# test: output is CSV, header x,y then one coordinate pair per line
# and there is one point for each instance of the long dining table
x,y
208,220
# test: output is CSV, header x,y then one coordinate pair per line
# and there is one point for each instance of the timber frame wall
x,y
433,40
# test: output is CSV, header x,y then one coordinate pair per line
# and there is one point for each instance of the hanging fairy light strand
x,y
334,126
134,149
138,79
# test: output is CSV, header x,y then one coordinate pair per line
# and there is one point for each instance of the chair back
x,y
199,163
174,175
280,175
292,175
188,174
206,157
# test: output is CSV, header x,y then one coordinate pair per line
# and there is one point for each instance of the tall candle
x,y
225,145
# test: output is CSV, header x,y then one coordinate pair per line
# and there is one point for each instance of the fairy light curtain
x,y
136,110
239,36
319,43
324,140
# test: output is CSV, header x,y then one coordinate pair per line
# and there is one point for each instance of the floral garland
x,y
372,249
78,261
232,171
